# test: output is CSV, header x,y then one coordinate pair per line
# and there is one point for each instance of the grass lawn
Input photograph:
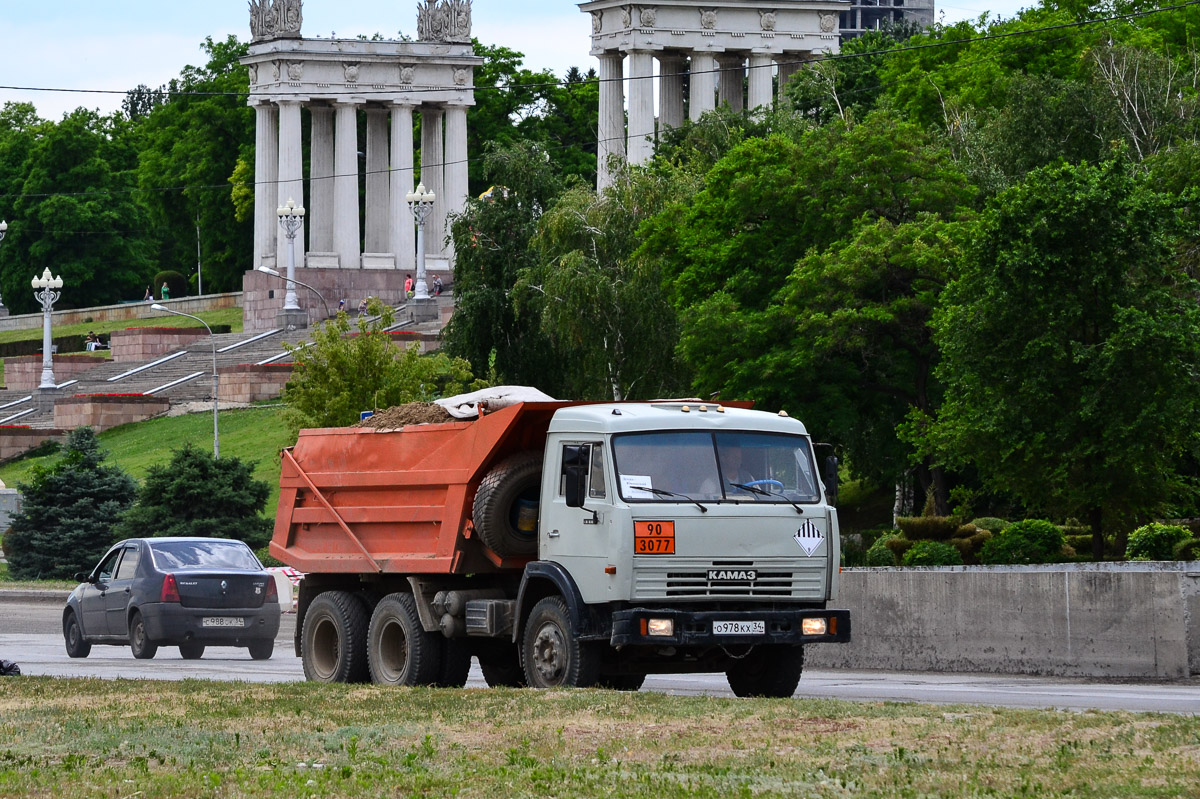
x,y
253,434
84,738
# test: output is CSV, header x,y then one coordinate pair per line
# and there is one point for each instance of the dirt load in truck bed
x,y
411,413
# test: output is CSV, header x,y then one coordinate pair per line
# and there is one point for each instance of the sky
x,y
116,45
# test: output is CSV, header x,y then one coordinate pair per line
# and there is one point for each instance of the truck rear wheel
x,y
333,642
498,505
621,682
456,663
551,652
399,650
767,671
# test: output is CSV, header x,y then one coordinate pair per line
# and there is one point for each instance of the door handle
x,y
552,534
127,590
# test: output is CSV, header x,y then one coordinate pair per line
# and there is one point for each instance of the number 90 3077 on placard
x,y
654,538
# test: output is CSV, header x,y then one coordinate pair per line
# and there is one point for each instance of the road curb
x,y
49,596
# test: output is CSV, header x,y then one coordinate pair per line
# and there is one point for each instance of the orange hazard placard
x,y
654,538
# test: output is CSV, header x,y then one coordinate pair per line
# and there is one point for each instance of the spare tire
x,y
504,503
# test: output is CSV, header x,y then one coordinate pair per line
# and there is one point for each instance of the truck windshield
x,y
736,466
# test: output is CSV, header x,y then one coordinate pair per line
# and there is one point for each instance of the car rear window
x,y
204,555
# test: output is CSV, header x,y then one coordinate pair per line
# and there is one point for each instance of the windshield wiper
x,y
662,492
766,493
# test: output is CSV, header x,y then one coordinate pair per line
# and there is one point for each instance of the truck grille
x,y
662,578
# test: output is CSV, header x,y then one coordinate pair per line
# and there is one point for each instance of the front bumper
x,y
169,623
695,628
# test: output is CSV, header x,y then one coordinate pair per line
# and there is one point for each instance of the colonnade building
x,y
333,84
730,52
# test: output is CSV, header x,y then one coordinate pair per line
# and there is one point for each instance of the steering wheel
x,y
778,485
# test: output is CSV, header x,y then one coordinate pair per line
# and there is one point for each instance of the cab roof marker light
x,y
686,409
703,409
720,409
783,413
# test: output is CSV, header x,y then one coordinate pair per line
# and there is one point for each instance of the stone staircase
x,y
181,376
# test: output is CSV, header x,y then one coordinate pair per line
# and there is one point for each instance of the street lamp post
x,y
3,233
47,296
213,340
420,202
268,270
291,216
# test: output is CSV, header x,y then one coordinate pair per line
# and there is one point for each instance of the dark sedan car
x,y
184,592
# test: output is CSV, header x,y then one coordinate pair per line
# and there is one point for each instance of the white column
x,y
456,164
378,181
731,81
266,176
670,90
702,85
759,93
320,180
641,106
432,164
401,219
789,65
345,187
611,133
291,172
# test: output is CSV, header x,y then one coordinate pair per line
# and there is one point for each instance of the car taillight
x,y
272,591
170,589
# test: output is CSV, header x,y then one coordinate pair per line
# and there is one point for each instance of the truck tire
x,y
551,652
399,650
501,666
455,664
496,506
333,642
767,671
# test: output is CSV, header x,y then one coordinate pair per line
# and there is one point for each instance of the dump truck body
x,y
584,542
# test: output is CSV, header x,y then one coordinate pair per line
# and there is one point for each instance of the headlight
x,y
813,626
664,627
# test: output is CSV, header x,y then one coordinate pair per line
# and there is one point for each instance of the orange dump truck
x,y
563,544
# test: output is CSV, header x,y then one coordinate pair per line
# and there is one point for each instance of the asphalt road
x,y
29,635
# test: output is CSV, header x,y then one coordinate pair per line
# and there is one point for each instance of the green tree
x,y
191,145
601,305
342,373
1069,343
196,494
68,512
492,244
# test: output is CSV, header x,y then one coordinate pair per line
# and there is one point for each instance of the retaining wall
x,y
148,343
103,411
1076,619
18,439
122,311
249,382
24,372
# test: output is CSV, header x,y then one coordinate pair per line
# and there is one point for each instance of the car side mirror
x,y
830,471
83,577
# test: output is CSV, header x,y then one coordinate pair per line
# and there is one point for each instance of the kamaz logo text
x,y
728,575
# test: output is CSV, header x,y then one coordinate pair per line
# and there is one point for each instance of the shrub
x,y
968,546
1187,550
928,528
990,523
879,554
176,283
266,558
932,553
1029,541
898,544
1155,541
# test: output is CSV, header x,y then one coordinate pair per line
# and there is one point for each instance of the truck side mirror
x,y
575,459
831,478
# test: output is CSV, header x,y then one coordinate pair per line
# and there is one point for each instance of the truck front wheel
x,y
333,642
767,671
552,654
398,648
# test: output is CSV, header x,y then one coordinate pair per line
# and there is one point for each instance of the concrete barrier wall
x,y
122,311
1080,619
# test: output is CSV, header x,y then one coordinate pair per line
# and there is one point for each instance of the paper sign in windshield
x,y
633,485
808,537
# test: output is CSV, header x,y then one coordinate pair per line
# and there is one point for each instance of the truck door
x,y
578,538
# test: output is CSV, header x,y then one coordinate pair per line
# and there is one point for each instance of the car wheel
x,y
191,651
77,647
261,650
551,652
143,648
333,642
398,648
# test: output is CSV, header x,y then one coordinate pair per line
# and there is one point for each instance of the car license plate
x,y
739,628
222,621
